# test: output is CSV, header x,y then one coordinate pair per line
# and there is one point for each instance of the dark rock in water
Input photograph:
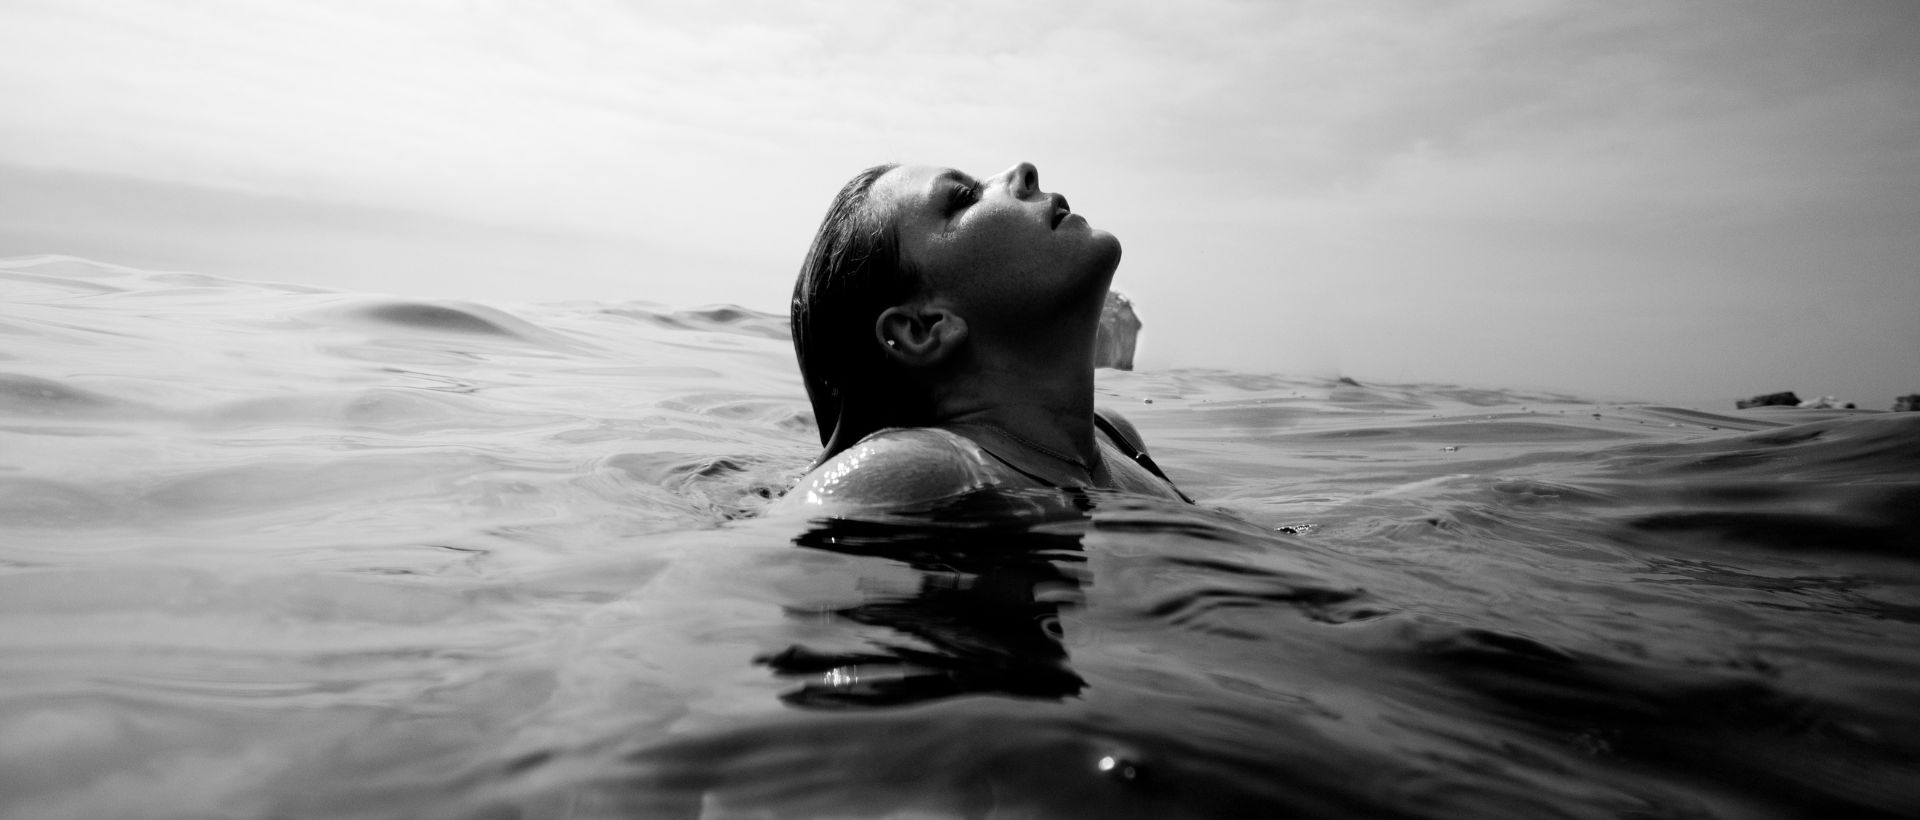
x,y
1771,399
1119,330
1907,402
1348,380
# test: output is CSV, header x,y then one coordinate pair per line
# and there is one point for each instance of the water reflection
x,y
994,571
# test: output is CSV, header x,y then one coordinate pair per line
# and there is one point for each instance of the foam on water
x,y
275,551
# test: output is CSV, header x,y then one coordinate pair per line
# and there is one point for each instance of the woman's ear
x,y
920,335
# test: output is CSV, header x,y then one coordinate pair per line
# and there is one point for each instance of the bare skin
x,y
1002,335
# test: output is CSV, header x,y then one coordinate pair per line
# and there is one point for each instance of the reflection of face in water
x,y
983,620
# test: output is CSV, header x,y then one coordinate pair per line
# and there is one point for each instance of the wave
x,y
449,559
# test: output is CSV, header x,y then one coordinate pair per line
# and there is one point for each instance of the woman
x,y
945,328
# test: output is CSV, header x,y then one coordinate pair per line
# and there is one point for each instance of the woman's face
x,y
1000,243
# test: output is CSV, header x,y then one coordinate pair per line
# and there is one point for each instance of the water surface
x,y
271,551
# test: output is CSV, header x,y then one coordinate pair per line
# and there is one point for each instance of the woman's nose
x,y
1023,180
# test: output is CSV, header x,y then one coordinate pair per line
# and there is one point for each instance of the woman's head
x,y
999,250
902,243
851,273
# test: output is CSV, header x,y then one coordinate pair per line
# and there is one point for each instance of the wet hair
x,y
852,272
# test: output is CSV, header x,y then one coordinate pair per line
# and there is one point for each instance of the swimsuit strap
x,y
1138,455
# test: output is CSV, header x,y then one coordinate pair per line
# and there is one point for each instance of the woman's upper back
x,y
911,466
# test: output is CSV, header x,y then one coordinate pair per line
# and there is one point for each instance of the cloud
x,y
1355,158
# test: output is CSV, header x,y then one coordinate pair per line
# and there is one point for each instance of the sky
x,y
1683,202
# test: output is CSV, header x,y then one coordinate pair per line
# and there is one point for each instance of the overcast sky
x,y
1672,201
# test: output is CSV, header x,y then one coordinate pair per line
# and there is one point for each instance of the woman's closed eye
x,y
961,195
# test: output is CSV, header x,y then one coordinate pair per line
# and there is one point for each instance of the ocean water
x,y
269,551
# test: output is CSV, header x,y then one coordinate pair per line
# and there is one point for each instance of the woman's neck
x,y
1042,398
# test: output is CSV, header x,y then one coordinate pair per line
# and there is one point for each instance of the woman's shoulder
x,y
895,467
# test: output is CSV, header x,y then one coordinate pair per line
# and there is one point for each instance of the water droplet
x,y
1118,767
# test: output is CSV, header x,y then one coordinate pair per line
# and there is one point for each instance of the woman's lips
x,y
1060,210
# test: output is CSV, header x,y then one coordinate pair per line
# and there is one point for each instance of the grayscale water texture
x,y
271,551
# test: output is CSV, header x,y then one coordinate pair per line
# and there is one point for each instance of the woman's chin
x,y
1107,247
